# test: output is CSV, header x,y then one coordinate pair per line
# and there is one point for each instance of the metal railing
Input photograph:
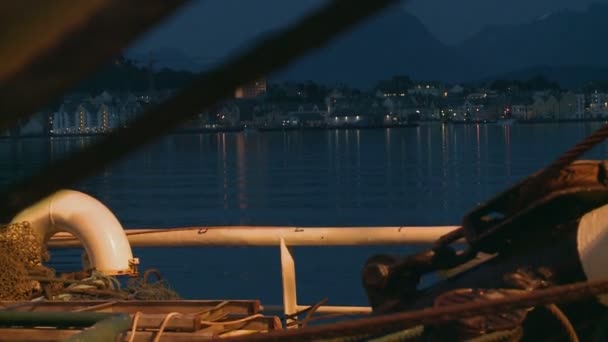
x,y
283,237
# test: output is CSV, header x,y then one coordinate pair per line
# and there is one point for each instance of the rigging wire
x,y
577,151
527,188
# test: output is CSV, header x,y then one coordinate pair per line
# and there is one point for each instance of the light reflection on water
x,y
430,175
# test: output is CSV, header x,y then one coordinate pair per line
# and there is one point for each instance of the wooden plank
x,y
266,323
36,335
256,325
147,336
53,335
212,316
187,323
244,307
235,333
96,307
260,324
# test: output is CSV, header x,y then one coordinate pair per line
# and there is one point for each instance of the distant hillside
x,y
568,77
124,75
172,58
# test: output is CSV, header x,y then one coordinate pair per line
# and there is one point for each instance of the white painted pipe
x,y
592,245
271,236
333,309
90,222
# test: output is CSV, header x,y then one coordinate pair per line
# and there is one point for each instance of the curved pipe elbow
x,y
592,245
91,222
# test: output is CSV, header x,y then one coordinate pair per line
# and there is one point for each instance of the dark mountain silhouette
x,y
394,42
561,39
567,46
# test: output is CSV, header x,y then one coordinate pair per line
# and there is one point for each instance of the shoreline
x,y
316,128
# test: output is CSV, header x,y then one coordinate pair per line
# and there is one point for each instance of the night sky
x,y
454,20
209,29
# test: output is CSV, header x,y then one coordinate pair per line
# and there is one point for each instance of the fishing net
x,y
23,277
97,286
141,289
21,250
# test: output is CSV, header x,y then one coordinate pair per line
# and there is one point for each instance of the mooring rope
x,y
535,182
578,150
164,323
309,311
564,321
134,325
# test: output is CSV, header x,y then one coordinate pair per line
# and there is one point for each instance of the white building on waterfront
x,y
87,115
580,105
598,104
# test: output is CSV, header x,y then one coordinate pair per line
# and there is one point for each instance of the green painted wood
x,y
108,329
51,319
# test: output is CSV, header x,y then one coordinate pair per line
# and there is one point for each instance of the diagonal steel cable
x,y
517,196
577,151
436,315
312,31
51,45
567,157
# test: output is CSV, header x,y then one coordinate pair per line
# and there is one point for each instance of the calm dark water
x,y
431,175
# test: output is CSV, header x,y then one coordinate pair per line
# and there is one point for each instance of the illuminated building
x,y
251,90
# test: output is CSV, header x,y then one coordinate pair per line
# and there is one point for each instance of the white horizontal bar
x,y
271,236
355,310
340,309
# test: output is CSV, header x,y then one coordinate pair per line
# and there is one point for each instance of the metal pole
x,y
271,236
